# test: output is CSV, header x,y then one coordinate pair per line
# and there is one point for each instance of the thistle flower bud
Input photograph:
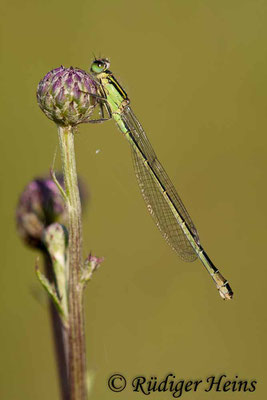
x,y
39,206
94,261
66,95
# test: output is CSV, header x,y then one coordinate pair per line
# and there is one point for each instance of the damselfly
x,y
161,198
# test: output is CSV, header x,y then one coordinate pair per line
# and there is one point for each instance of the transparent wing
x,y
156,203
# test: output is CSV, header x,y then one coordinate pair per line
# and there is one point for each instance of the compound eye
x,y
98,67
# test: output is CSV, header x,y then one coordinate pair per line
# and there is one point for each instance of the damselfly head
x,y
100,65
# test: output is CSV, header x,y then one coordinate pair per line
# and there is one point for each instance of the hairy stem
x,y
76,338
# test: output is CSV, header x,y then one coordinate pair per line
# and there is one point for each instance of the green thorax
x,y
113,91
116,97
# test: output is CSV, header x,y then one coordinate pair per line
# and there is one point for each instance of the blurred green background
x,y
196,75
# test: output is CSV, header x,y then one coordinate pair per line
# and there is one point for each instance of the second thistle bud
x,y
67,95
39,206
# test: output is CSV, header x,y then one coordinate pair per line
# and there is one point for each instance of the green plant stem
x,y
58,333
76,337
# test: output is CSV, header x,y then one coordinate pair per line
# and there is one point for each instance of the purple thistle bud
x,y
65,95
39,206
